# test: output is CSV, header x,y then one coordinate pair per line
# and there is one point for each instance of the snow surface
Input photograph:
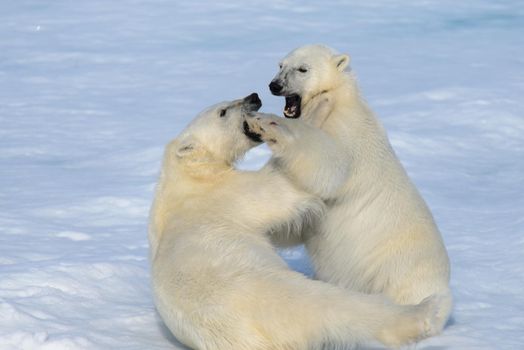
x,y
90,91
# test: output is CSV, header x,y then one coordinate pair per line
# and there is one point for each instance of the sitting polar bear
x,y
218,282
377,234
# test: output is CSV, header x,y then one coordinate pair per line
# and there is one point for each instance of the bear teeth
x,y
292,107
289,112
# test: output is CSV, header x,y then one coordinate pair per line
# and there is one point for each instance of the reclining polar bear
x,y
377,234
218,282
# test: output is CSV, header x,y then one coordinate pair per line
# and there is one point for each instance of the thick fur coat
x,y
219,283
377,234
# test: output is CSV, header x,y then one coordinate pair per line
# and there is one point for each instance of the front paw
x,y
272,130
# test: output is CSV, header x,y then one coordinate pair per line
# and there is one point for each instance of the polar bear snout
x,y
252,103
293,100
276,87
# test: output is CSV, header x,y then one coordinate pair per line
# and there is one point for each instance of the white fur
x,y
218,282
377,235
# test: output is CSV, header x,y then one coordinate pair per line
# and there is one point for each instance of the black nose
x,y
253,100
275,87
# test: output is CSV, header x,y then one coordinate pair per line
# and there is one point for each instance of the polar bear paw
x,y
272,130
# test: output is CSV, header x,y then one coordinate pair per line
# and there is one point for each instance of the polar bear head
x,y
218,135
305,73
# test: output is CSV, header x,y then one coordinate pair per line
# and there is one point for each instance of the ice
x,y
91,91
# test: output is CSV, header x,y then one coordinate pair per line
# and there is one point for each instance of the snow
x,y
92,90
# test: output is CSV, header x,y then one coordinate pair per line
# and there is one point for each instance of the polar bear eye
x,y
302,70
223,112
280,65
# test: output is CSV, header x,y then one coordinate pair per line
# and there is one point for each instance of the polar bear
x,y
218,282
377,234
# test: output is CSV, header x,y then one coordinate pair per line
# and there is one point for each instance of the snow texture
x,y
91,91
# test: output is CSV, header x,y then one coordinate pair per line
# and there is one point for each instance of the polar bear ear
x,y
341,62
187,148
191,151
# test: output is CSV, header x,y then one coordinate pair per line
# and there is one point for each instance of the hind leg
x,y
420,292
293,312
445,306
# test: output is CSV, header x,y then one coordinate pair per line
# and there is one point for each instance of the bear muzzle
x,y
252,103
276,88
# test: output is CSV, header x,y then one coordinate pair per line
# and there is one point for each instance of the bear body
x,y
377,234
218,282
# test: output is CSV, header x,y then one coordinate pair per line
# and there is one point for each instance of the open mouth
x,y
251,103
292,108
